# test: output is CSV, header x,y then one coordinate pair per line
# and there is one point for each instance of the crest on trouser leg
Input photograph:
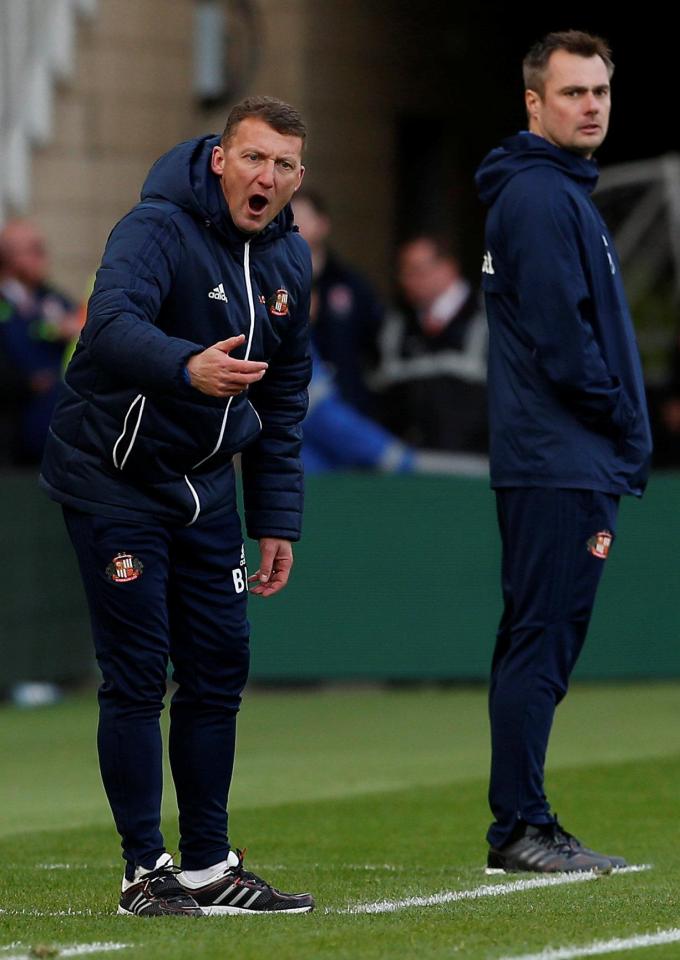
x,y
600,543
124,568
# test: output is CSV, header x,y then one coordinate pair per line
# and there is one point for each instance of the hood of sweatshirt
x,y
526,150
183,176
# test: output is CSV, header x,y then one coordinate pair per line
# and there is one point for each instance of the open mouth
x,y
257,203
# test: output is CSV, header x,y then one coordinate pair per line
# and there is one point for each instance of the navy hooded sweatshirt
x,y
130,437
567,405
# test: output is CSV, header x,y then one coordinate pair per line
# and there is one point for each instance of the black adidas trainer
x,y
158,894
239,891
548,848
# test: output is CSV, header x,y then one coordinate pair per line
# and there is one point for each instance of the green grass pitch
x,y
359,795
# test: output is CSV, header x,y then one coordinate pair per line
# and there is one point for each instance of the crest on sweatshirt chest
x,y
277,303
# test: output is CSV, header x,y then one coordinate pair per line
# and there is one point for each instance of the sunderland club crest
x,y
600,543
278,303
124,567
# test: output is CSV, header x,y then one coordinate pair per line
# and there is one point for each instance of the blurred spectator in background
x,y
349,312
432,371
36,322
335,434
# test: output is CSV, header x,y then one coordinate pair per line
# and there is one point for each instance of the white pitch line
x,y
79,950
599,947
61,866
52,913
487,890
334,867
388,867
84,948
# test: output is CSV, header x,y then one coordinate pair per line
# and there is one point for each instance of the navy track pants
x,y
551,568
155,592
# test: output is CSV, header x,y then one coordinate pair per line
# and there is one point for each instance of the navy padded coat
x,y
130,437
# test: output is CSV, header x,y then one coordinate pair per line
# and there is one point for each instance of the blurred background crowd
x,y
397,385
402,101
91,91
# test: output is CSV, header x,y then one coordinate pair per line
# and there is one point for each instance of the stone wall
x,y
129,101
353,67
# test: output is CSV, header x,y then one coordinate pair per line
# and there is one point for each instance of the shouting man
x,y
195,348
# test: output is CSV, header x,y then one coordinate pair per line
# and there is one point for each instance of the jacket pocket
x,y
240,426
259,419
162,438
122,448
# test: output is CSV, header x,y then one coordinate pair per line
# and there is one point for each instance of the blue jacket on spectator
x,y
130,437
30,349
566,394
337,436
345,330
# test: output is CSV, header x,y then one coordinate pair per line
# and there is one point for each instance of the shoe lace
x,y
556,836
161,874
245,875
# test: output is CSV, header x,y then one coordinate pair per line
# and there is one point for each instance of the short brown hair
x,y
316,201
279,115
443,246
535,63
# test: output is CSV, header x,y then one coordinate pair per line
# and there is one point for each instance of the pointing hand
x,y
216,373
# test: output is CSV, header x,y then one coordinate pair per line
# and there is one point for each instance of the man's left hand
x,y
276,560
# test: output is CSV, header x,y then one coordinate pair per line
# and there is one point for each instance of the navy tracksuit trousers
x,y
155,592
551,567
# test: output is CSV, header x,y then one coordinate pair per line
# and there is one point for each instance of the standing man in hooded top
x,y
569,426
195,348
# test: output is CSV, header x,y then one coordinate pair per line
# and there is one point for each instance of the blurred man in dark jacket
x,y
195,348
432,371
349,314
36,323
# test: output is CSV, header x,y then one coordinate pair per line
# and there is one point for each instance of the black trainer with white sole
x,y
239,891
548,848
158,894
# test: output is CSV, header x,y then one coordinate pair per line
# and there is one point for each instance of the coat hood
x,y
183,176
526,150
